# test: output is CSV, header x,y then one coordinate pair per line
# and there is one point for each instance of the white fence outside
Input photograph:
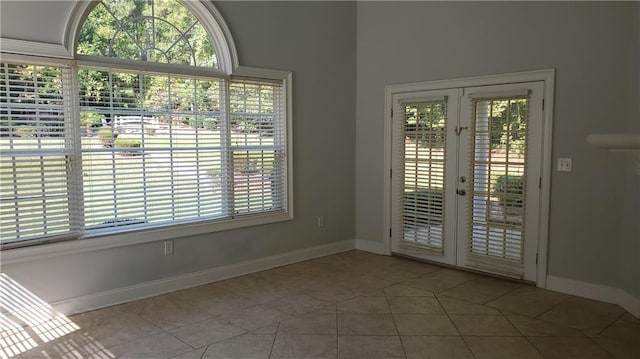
x,y
137,124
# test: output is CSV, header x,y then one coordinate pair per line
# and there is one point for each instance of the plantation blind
x,y
498,163
154,151
166,148
36,146
422,138
257,146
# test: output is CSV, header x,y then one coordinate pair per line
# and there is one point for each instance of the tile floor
x,y
349,305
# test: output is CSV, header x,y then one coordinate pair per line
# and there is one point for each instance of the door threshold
x,y
463,269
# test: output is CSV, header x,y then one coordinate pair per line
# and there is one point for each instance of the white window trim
x,y
548,76
62,55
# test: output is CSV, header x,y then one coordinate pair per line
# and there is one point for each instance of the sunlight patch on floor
x,y
27,322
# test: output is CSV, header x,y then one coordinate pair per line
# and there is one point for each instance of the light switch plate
x,y
564,164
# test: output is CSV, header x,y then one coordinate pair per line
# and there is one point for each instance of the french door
x,y
466,166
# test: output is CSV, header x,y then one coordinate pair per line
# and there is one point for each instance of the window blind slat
x,y
34,188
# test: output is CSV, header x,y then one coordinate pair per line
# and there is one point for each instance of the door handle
x,y
461,192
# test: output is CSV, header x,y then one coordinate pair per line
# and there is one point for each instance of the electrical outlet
x,y
320,221
564,164
168,247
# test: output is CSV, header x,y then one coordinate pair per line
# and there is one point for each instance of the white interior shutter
x,y
421,137
496,226
36,145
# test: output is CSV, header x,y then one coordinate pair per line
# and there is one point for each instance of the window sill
x,y
39,252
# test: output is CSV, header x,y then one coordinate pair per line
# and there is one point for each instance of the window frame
x,y
55,246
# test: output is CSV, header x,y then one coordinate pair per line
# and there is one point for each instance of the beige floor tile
x,y
114,326
424,324
585,314
435,347
194,354
440,280
366,324
457,306
530,327
275,274
628,319
528,300
255,317
75,345
295,346
502,348
297,304
240,283
213,299
620,348
245,346
364,305
626,327
306,284
167,312
393,274
332,293
568,348
267,329
267,292
369,347
484,325
622,339
156,346
401,290
378,292
415,305
481,290
314,323
417,267
207,332
342,305
364,283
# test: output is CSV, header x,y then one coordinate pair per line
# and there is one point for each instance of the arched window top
x,y
161,31
189,33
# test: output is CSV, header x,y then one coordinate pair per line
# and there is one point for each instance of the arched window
x,y
158,31
145,130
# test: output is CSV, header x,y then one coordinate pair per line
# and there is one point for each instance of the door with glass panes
x,y
466,166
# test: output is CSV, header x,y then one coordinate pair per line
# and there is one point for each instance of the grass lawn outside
x,y
151,184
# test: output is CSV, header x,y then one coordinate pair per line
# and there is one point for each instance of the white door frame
x,y
548,77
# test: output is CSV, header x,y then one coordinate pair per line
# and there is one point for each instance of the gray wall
x,y
314,40
589,45
631,226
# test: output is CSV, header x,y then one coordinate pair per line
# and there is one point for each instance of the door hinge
x,y
536,258
390,173
543,104
540,182
392,112
389,232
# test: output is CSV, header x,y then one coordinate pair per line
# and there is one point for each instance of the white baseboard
x,y
161,286
595,291
372,247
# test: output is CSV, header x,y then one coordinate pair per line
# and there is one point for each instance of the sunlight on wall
x,y
27,322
